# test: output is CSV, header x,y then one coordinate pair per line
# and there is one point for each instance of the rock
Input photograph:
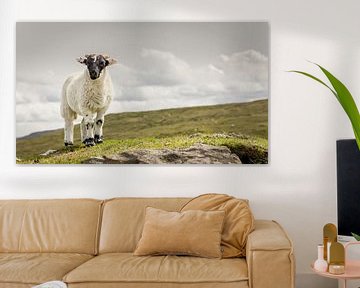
x,y
94,160
220,135
197,154
49,152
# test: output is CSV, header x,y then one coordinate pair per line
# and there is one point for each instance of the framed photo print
x,y
142,93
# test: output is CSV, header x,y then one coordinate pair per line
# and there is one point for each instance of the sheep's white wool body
x,y
85,96
88,98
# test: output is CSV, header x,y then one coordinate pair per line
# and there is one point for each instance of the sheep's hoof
x,y
98,139
68,144
89,142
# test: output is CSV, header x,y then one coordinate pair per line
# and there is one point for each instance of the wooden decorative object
x,y
330,236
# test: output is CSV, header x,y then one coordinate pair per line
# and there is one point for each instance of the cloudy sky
x,y
161,65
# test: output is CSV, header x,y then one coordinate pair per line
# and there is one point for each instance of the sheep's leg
x,y
69,116
99,123
69,132
82,130
88,129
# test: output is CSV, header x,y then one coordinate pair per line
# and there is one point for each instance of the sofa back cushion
x,y
123,220
66,226
238,224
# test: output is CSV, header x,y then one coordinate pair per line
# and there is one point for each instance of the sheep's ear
x,y
111,61
81,60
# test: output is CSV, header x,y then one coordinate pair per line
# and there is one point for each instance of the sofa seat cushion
x,y
36,268
127,268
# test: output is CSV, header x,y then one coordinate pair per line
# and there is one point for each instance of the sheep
x,y
87,94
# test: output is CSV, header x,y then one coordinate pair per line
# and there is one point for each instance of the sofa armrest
x,y
269,256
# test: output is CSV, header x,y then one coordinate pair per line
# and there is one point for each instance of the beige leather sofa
x,y
89,243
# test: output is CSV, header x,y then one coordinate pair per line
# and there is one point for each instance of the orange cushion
x,y
196,233
239,220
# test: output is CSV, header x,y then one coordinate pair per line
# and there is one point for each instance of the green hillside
x,y
240,126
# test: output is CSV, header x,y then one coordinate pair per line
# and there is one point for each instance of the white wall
x,y
297,188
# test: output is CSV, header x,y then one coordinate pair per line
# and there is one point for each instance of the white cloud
x,y
245,72
27,92
212,67
238,77
43,87
38,112
155,68
163,68
158,80
37,116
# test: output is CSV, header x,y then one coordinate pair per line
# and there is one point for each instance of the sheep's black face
x,y
96,64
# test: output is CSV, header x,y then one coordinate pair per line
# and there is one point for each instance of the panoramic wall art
x,y
142,93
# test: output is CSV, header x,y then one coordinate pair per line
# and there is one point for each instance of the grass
x,y
242,127
249,149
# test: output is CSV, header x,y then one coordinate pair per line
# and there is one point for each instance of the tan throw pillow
x,y
239,220
196,233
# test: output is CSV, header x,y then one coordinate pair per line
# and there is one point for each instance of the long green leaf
x,y
357,137
316,79
347,102
344,97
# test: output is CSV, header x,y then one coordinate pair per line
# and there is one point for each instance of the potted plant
x,y
345,99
